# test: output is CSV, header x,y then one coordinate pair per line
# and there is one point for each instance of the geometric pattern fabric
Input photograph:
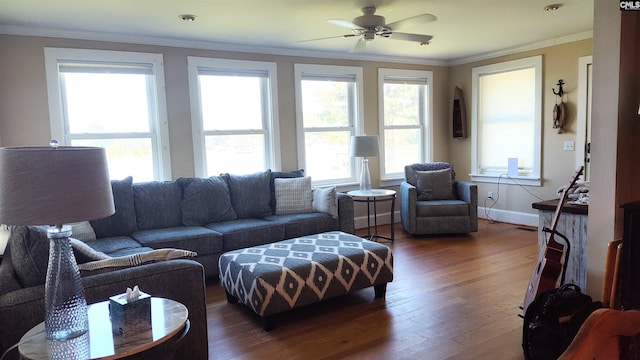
x,y
276,277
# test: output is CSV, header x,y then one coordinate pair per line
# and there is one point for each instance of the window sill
x,y
506,179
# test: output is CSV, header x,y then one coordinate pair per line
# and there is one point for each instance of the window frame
x,y
356,110
270,110
426,116
158,127
535,178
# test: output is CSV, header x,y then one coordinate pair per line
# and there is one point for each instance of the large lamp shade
x,y
56,186
51,186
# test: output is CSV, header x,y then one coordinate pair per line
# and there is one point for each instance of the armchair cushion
x,y
435,185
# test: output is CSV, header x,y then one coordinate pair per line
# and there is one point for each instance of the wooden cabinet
x,y
572,223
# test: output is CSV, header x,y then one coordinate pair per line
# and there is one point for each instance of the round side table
x,y
169,322
375,196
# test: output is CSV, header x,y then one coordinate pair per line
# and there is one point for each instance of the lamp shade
x,y
364,146
53,185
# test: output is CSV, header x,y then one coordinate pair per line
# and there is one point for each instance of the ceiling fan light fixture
x,y
187,17
552,7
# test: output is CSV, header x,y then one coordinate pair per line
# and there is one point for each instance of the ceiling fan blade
x,y
423,39
360,46
411,22
329,37
345,23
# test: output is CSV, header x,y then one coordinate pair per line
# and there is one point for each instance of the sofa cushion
x,y
293,196
435,185
115,244
296,225
325,200
243,233
123,221
250,194
205,200
29,254
194,238
281,175
157,204
85,253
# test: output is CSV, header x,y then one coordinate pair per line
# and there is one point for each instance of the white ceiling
x,y
464,29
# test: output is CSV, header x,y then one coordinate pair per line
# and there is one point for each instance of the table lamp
x,y
364,146
54,186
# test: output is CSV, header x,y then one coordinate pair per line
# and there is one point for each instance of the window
x,y
405,107
233,107
113,100
506,120
328,105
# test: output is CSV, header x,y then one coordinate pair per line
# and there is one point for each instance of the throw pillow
x,y
205,201
325,200
435,185
123,262
293,196
250,194
157,204
123,221
281,174
30,254
82,231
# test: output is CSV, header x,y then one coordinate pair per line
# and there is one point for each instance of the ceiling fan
x,y
369,26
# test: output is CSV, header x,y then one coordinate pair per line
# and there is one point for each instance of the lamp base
x,y
65,305
365,176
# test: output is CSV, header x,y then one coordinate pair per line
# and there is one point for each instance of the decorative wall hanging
x,y
559,109
459,115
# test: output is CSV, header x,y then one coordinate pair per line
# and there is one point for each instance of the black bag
x,y
552,320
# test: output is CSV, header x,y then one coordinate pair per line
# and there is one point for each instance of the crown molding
x,y
522,48
207,45
219,46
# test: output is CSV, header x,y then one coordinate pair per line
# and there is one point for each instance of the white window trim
x,y
272,140
531,62
426,136
357,127
161,151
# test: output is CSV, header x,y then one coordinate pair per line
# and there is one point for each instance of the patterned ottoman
x,y
275,277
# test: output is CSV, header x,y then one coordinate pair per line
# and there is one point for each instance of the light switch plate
x,y
569,145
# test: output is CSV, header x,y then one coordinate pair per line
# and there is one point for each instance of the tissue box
x,y
130,318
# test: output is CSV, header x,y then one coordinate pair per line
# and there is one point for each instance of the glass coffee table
x,y
169,324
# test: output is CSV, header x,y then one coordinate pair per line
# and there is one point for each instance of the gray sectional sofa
x,y
208,215
205,215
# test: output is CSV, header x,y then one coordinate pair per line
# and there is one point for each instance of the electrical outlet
x,y
490,194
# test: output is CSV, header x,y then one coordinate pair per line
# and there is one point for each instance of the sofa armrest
x,y
346,213
468,192
180,280
408,199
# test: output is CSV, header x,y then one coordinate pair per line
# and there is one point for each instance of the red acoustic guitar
x,y
550,266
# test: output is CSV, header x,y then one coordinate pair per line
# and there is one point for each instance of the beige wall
x,y
24,118
559,62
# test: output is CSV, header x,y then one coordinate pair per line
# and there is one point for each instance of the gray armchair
x,y
433,202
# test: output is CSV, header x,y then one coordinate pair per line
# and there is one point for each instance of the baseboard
x,y
512,217
360,222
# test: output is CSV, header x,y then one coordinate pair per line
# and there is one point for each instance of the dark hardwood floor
x,y
452,297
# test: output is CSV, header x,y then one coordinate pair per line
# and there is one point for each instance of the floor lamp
x,y
364,146
56,186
